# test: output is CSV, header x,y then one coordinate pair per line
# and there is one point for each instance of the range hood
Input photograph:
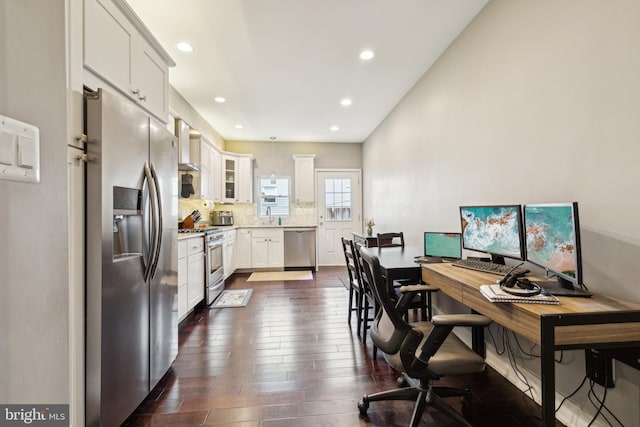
x,y
188,167
184,152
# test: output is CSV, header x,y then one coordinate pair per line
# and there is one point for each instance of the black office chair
x,y
355,284
387,240
422,352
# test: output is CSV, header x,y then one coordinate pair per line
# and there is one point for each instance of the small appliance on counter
x,y
221,217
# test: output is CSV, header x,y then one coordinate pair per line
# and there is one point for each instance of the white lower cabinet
x,y
228,252
243,248
182,279
190,274
267,247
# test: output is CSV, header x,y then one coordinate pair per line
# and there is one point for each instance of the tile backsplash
x,y
247,213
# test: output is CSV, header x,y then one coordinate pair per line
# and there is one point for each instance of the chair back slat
x,y
349,257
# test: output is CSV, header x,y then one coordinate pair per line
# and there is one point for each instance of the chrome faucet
x,y
269,215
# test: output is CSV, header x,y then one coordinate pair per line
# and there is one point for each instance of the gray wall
x,y
34,311
180,108
536,101
278,155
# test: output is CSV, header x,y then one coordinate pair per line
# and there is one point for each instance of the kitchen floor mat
x,y
268,276
233,298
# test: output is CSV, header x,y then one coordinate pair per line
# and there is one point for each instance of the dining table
x,y
398,264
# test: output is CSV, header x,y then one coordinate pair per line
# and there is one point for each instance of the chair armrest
x,y
443,324
418,288
460,320
405,282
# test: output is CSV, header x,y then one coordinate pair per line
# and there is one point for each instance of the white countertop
x,y
185,236
276,226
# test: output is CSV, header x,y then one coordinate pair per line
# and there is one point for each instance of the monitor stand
x,y
497,259
561,288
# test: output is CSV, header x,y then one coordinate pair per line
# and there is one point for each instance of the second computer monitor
x,y
442,245
495,230
553,240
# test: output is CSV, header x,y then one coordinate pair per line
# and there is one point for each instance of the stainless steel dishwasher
x,y
300,247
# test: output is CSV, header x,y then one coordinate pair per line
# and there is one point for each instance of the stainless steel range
x,y
214,270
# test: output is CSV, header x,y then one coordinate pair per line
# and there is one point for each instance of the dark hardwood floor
x,y
291,359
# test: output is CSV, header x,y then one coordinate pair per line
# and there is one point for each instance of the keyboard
x,y
489,267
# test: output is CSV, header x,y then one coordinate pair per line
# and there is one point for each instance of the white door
x,y
339,212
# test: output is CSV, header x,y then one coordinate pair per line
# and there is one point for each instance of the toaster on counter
x,y
221,217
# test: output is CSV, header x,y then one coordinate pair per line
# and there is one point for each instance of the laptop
x,y
441,247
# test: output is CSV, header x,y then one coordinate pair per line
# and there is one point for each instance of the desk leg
x,y
547,365
477,339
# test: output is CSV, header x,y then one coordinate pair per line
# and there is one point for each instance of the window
x,y
274,196
338,199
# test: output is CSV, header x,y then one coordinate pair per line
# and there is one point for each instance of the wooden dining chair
x,y
386,240
355,284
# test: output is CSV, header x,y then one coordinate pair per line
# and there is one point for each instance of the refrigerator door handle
x,y
146,234
158,242
154,215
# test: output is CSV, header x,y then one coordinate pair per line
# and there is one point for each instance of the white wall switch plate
x,y
19,151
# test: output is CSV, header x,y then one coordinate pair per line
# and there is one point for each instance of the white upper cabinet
x,y
119,49
151,80
229,177
206,182
304,187
109,42
215,174
245,179
237,176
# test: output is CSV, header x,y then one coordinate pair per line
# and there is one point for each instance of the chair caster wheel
x,y
363,405
401,382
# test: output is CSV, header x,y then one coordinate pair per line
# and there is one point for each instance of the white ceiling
x,y
284,65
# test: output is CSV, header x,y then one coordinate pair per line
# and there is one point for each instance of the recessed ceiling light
x,y
335,128
184,47
366,55
345,102
238,126
219,99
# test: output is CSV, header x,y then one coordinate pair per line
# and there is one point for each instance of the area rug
x,y
268,276
233,298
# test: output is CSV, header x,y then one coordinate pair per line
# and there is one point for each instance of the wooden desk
x,y
600,321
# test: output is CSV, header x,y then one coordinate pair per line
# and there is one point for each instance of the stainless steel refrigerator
x,y
131,307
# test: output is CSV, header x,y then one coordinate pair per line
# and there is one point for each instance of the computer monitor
x,y
495,230
553,241
442,245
